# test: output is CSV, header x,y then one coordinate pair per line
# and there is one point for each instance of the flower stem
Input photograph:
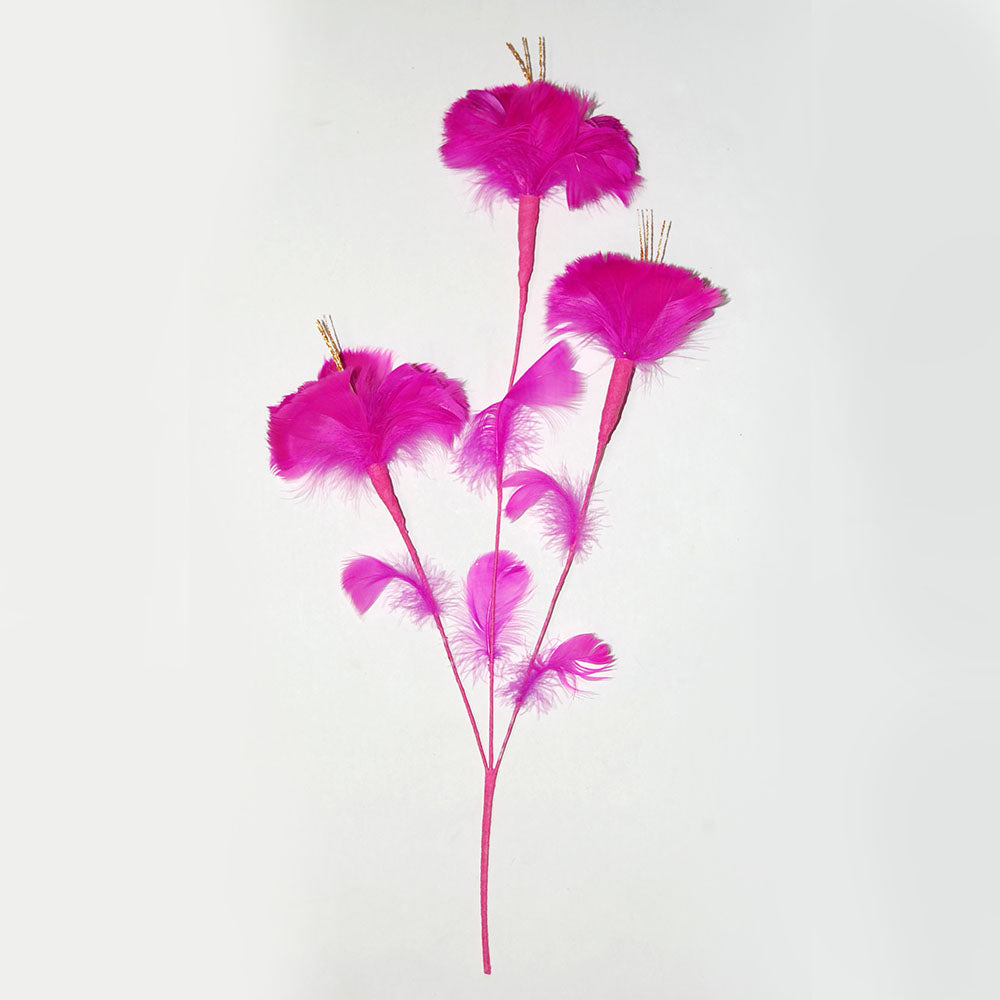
x,y
489,786
492,622
379,476
614,403
527,228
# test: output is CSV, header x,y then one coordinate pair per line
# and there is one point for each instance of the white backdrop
x,y
222,782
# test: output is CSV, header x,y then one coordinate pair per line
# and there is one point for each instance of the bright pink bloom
x,y
534,138
639,310
538,683
366,414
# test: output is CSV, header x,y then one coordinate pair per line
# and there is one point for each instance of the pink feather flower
x,y
363,414
638,310
539,682
535,138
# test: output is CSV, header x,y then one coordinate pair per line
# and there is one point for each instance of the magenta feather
x,y
365,578
368,413
507,433
534,138
641,310
478,642
538,684
558,504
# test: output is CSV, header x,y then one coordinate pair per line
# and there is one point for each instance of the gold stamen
x,y
661,247
329,335
527,58
541,58
647,229
520,61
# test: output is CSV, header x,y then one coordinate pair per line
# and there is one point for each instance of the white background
x,y
218,781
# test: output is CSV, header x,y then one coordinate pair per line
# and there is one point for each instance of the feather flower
x,y
536,138
640,310
365,578
559,505
538,683
362,412
481,645
507,432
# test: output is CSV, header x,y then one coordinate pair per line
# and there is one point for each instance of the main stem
x,y
527,227
489,786
614,404
379,476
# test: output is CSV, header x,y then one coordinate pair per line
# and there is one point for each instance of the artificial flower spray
x,y
523,144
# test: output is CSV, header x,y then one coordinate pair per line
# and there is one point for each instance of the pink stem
x,y
527,228
379,476
492,625
614,404
489,786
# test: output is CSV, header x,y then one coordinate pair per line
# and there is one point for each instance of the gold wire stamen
x,y
646,230
329,335
520,61
661,249
525,61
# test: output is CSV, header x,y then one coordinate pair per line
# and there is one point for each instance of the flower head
x,y
535,138
361,411
641,310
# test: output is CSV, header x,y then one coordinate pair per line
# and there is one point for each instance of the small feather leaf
x,y
558,504
480,644
506,433
538,684
365,578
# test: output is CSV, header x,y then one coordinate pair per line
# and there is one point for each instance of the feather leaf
x,y
479,643
538,684
507,433
366,578
558,505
